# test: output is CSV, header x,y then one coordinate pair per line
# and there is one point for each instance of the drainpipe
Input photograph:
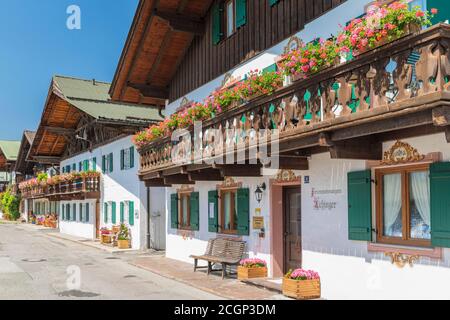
x,y
149,244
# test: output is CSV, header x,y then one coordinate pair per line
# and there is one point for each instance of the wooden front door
x,y
292,228
97,219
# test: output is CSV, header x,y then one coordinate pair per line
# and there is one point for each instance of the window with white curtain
x,y
403,205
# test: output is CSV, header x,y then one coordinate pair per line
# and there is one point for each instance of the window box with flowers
x,y
252,268
302,284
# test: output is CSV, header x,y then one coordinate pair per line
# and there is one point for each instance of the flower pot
x,y
106,238
251,273
123,244
302,289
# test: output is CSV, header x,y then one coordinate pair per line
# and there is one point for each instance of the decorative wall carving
x,y
401,152
401,260
286,176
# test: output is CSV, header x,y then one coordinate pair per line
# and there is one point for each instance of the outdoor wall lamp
x,y
259,191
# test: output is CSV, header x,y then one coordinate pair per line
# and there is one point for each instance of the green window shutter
x,y
440,204
273,2
243,211
105,213
360,205
63,213
122,159
111,162
74,167
80,166
216,24
113,213
68,212
74,214
94,164
443,7
86,165
271,68
104,164
80,212
213,217
131,157
122,212
131,213
241,13
174,211
87,213
195,211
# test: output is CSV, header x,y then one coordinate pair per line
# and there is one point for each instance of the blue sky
x,y
35,44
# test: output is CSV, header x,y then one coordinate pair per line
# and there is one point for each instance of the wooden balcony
x,y
79,189
395,91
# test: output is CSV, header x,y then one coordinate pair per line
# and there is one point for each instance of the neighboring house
x,y
8,158
88,138
347,200
25,170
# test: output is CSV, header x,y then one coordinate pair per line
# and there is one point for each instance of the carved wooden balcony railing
x,y
84,187
400,85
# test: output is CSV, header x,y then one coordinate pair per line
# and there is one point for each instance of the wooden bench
x,y
221,251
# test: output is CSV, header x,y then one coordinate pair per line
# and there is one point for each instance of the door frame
x,y
97,219
277,224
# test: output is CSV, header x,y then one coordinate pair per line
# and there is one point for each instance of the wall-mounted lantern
x,y
259,191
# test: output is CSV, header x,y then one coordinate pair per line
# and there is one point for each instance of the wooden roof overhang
x,y
347,135
23,165
161,33
59,119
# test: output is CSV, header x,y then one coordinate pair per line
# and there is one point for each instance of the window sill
x,y
434,253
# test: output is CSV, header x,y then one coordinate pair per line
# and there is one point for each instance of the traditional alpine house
x,y
360,188
87,138
8,158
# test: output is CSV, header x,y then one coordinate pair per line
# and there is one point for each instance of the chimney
x,y
93,82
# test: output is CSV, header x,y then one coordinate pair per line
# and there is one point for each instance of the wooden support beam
x,y
447,134
161,53
182,23
293,163
150,91
150,176
325,140
156,183
47,159
178,179
388,124
441,116
174,171
207,175
358,150
239,170
58,130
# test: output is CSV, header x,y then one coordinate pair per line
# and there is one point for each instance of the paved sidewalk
x,y
54,233
229,288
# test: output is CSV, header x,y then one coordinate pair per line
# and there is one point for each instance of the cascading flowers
x,y
302,274
253,263
382,24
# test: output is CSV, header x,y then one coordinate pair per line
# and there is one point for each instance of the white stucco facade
x,y
117,186
348,268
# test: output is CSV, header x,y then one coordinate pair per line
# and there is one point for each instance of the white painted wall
x,y
79,228
347,269
118,186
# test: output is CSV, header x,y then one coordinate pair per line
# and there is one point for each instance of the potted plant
x,y
123,237
252,268
105,236
302,284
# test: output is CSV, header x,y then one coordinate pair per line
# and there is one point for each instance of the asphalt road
x,y
34,265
